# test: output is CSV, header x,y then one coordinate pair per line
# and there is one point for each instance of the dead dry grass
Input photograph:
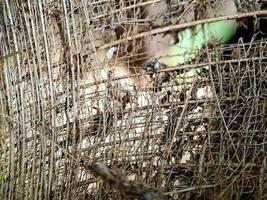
x,y
61,106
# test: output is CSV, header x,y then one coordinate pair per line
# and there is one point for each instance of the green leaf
x,y
192,40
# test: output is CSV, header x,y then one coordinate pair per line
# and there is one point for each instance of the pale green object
x,y
192,40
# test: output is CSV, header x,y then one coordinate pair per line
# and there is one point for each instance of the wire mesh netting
x,y
73,90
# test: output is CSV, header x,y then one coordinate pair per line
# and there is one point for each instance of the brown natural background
x,y
60,108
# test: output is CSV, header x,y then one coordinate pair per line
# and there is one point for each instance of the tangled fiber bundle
x,y
89,109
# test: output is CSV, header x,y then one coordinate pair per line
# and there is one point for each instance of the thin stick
x,y
182,26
